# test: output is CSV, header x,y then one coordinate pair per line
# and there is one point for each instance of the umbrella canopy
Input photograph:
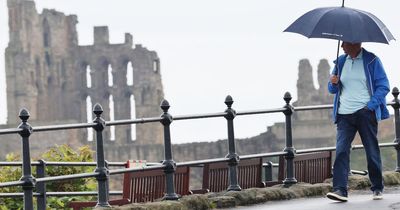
x,y
341,23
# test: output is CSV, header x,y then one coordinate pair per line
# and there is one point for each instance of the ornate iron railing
x,y
102,173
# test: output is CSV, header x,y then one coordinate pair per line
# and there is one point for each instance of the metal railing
x,y
102,173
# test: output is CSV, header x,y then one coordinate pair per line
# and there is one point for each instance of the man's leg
x,y
368,128
346,130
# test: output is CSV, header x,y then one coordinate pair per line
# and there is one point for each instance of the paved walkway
x,y
360,200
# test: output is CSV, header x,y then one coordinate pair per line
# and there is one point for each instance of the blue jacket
x,y
377,82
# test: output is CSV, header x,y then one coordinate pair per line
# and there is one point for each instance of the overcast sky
x,y
212,48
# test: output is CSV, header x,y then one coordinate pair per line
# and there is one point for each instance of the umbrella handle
x,y
337,53
337,58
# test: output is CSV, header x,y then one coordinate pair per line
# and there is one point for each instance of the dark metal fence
x,y
102,173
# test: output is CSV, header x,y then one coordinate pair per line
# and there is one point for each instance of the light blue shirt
x,y
354,93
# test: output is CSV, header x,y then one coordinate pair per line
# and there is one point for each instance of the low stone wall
x,y
256,195
265,142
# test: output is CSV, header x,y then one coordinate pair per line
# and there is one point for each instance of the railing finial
x,y
287,97
24,115
395,93
229,101
165,106
97,109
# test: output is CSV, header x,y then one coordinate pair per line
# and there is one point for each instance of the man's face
x,y
350,48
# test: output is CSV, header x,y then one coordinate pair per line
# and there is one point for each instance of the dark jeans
x,y
363,121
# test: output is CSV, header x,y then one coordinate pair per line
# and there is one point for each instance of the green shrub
x,y
62,153
10,173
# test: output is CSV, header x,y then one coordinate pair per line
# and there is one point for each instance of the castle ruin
x,y
55,78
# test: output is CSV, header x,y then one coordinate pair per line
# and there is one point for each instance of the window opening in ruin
x,y
47,58
110,76
46,33
89,117
129,74
46,39
63,69
37,70
50,80
32,78
133,116
88,77
156,65
112,128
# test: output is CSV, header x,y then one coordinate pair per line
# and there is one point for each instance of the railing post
x,y
396,106
291,151
41,186
268,171
233,157
169,163
29,180
102,179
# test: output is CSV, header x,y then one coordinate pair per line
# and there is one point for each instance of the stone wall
x,y
194,151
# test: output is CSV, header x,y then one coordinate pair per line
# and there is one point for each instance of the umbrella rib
x,y
381,26
353,22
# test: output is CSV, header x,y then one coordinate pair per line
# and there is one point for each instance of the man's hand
x,y
334,79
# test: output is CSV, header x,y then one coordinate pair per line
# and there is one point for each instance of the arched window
x,y
112,118
110,76
88,77
133,116
129,74
89,117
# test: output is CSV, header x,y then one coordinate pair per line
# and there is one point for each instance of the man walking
x,y
360,85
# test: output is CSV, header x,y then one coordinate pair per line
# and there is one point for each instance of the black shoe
x,y
377,195
337,196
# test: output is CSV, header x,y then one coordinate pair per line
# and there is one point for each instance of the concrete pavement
x,y
360,200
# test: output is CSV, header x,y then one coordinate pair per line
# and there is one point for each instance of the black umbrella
x,y
343,24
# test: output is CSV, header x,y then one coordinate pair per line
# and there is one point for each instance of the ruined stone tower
x,y
310,127
49,73
308,94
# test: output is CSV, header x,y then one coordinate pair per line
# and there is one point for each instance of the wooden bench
x,y
215,175
144,186
310,168
147,186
